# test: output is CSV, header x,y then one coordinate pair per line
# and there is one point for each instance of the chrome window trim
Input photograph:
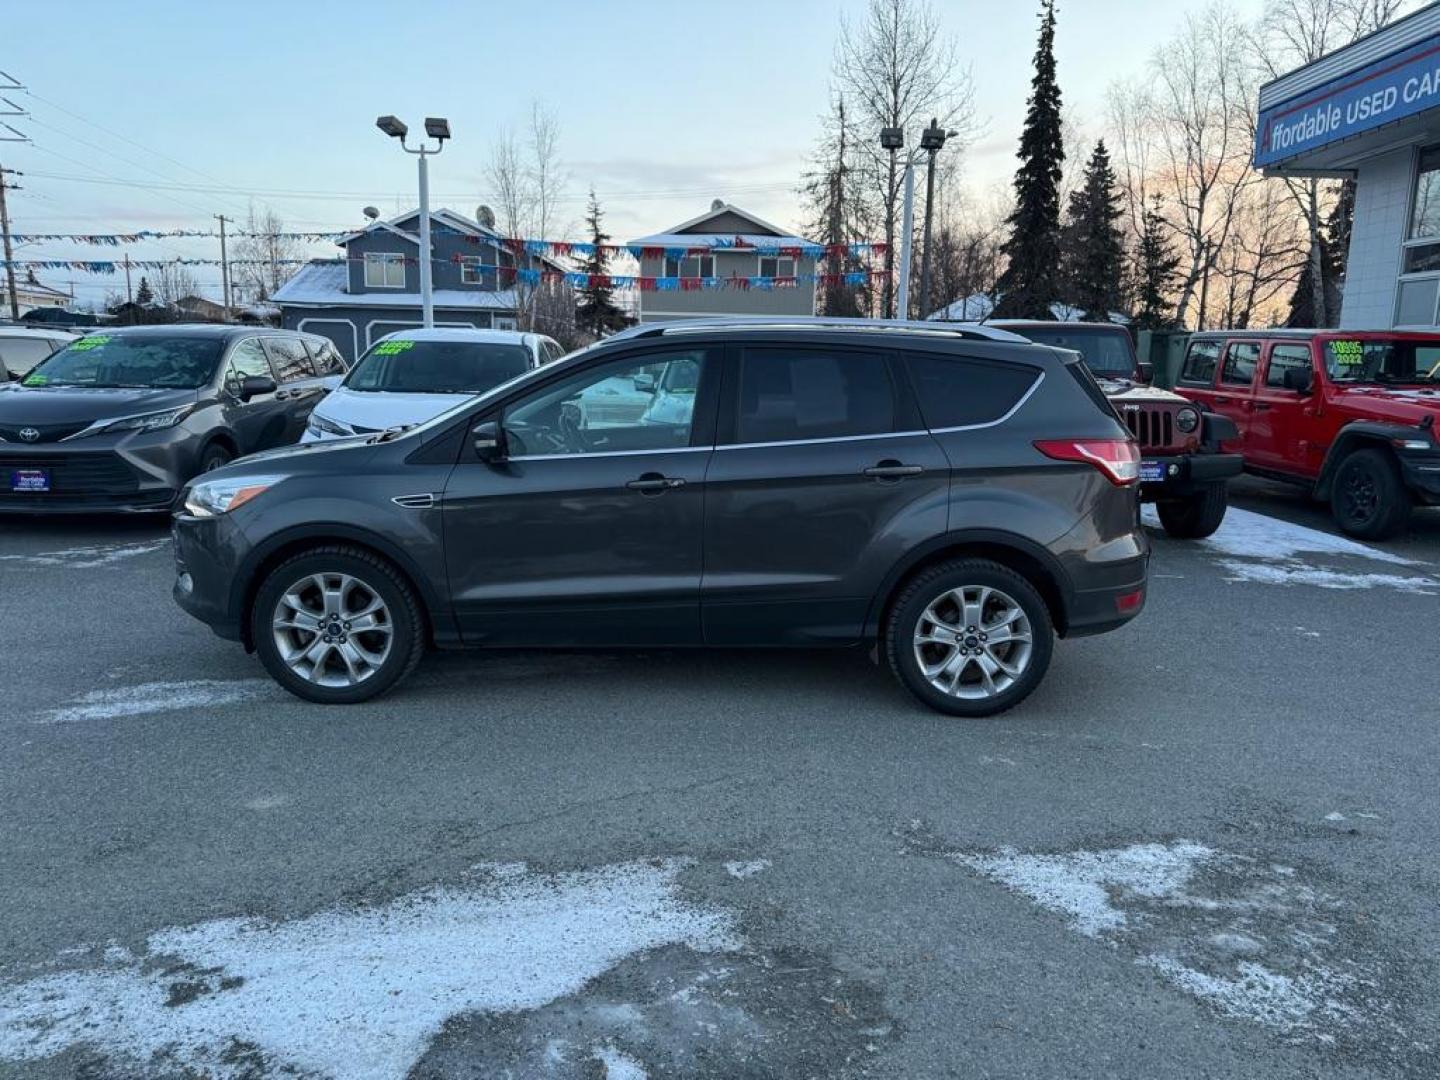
x,y
818,442
1040,378
612,453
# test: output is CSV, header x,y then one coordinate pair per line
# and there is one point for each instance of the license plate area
x,y
33,481
1152,471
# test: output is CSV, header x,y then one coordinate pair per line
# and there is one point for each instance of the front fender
x,y
1351,437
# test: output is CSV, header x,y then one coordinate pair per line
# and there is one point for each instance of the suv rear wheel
x,y
969,638
1368,498
337,625
1197,516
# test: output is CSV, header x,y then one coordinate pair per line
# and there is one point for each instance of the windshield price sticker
x,y
1348,353
92,342
35,380
390,348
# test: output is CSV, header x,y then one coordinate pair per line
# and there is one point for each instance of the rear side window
x,y
1285,358
326,357
959,392
292,362
1200,362
1241,361
792,394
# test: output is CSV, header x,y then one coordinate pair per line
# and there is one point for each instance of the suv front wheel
x,y
970,638
337,625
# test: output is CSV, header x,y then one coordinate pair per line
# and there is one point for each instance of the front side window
x,y
130,360
292,362
1240,363
696,266
1382,362
776,267
1200,362
247,359
398,365
643,403
788,395
384,270
1285,358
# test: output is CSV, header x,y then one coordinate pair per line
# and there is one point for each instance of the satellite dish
x,y
371,212
485,216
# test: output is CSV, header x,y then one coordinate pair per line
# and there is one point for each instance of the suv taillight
x,y
1118,459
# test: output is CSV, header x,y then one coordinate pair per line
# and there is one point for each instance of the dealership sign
x,y
1391,89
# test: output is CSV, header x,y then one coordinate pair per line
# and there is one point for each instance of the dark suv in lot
x,y
958,496
121,419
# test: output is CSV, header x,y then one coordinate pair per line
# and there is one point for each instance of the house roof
x,y
677,236
326,283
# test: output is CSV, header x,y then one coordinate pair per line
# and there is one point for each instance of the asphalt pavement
x,y
1204,848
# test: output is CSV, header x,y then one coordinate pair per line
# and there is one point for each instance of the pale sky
x,y
172,112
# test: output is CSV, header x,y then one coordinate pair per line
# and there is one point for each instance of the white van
x,y
411,376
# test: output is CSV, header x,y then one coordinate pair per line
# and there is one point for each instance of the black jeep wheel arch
x,y
1360,435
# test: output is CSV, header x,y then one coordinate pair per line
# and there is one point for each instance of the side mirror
x,y
1301,380
1146,371
256,385
645,383
488,441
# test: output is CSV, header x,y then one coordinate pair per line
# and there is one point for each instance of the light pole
x,y
891,139
437,128
931,140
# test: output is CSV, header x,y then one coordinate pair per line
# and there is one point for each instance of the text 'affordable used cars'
x,y
958,496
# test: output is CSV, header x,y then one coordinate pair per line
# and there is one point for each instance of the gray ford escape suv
x,y
958,496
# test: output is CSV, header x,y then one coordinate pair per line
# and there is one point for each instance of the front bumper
x,y
1186,474
130,473
208,552
1421,472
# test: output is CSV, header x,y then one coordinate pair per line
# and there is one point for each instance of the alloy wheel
x,y
973,642
1362,498
333,629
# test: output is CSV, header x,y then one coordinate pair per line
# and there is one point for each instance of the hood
x,y
59,411
369,411
1393,404
1125,392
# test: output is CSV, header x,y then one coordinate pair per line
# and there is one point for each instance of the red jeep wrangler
x,y
1183,470
1349,415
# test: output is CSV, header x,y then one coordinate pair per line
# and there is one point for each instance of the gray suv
x,y
959,497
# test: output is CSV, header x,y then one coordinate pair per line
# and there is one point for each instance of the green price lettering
x,y
35,380
87,343
390,348
1348,353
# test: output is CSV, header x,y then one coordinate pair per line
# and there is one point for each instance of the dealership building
x,y
1371,112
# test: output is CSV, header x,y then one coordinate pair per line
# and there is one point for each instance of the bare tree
x,y
173,282
509,180
545,172
264,255
896,68
837,213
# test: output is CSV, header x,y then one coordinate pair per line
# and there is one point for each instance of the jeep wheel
x,y
1197,516
969,638
1368,498
337,625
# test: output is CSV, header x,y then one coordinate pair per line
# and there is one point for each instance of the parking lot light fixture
x,y
437,128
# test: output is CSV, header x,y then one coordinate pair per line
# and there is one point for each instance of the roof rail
x,y
970,331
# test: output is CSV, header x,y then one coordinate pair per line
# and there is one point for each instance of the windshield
x,y
1382,362
106,360
1105,352
437,367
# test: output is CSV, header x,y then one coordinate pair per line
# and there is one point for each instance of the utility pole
x,y
224,264
9,252
931,140
891,139
129,295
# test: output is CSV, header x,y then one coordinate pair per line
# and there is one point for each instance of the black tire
x,y
916,596
1368,498
375,575
1196,517
215,455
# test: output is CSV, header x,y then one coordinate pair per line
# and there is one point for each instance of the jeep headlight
x,y
1187,420
211,497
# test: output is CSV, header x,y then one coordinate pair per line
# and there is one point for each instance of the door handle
x,y
893,470
1221,399
1260,406
654,483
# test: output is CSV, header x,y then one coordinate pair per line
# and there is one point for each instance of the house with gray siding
x,y
726,244
374,289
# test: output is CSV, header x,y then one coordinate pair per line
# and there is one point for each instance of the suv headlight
x,y
1187,420
211,497
320,425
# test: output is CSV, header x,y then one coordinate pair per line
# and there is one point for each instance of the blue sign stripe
x,y
1400,85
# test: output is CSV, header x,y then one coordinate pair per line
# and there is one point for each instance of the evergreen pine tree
x,y
1031,282
598,313
143,295
1156,269
1092,248
1337,230
1334,248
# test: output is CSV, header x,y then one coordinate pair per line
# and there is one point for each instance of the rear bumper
x,y
1185,474
1110,599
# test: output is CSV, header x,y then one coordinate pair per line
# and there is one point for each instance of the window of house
x,y
695,266
792,394
1422,247
1285,358
384,270
777,266
1240,363
472,270
1200,362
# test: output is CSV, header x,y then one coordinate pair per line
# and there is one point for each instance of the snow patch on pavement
x,y
1258,536
748,869
158,697
86,558
619,1066
358,993
1296,574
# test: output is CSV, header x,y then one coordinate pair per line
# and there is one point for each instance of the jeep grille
x,y
1152,428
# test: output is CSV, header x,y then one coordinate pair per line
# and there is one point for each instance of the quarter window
x,y
291,360
788,395
327,358
1200,362
958,393
1240,363
384,270
1285,358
